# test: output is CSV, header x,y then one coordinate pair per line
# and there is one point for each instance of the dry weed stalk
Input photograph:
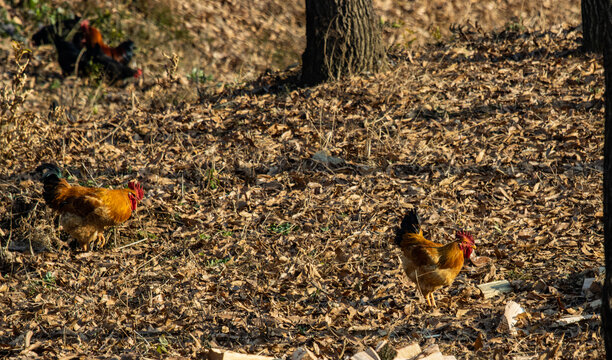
x,y
12,97
174,87
171,67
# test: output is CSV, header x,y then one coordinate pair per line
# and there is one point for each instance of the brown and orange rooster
x,y
92,37
86,212
76,40
428,264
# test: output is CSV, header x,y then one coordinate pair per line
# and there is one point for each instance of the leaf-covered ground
x,y
270,209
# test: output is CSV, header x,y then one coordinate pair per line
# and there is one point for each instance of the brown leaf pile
x,y
270,209
238,39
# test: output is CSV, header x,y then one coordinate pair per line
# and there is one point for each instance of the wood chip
x,y
368,354
219,354
408,352
495,288
302,353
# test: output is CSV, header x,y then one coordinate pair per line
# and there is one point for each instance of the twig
x,y
148,261
182,187
76,71
132,243
93,99
88,173
113,132
8,241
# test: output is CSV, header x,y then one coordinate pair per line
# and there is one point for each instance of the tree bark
x,y
606,309
593,24
342,38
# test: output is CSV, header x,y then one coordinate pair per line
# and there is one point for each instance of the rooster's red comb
x,y
465,235
137,187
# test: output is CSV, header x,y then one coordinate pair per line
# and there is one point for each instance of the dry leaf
x,y
478,343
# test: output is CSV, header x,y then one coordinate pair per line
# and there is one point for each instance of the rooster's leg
x,y
433,300
101,240
427,299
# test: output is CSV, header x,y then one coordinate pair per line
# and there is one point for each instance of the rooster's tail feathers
x,y
51,179
127,51
410,225
49,170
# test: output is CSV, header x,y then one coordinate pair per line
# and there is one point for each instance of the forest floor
x,y
270,208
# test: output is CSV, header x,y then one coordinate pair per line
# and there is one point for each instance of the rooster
x,y
85,211
80,45
123,53
428,264
82,35
91,62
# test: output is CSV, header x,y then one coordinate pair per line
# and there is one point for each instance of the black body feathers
x,y
111,70
410,225
62,29
67,56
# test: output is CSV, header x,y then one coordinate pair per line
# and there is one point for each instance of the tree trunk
x,y
606,310
342,38
593,24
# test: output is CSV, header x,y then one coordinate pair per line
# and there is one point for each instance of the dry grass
x,y
257,241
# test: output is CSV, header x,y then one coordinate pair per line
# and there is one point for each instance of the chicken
x,y
91,62
82,35
428,264
77,41
123,53
85,212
